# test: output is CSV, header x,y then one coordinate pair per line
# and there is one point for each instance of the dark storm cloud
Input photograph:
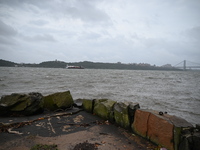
x,y
6,30
76,9
155,32
7,34
6,41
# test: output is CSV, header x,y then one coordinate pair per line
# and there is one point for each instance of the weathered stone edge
x,y
178,128
168,131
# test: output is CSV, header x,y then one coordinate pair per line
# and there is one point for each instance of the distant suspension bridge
x,y
187,65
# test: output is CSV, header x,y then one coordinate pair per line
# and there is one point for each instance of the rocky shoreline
x,y
21,111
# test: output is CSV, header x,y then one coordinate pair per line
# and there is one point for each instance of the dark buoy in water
x,y
160,113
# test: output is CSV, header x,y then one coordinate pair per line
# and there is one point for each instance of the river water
x,y
177,92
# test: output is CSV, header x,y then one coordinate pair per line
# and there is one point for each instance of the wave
x,y
175,92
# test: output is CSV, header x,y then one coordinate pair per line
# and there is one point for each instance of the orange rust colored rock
x,y
160,130
140,122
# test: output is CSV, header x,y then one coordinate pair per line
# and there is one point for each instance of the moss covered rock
x,y
21,104
60,100
88,105
104,108
124,113
181,126
121,114
37,105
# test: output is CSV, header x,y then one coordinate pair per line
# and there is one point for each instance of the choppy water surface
x,y
178,93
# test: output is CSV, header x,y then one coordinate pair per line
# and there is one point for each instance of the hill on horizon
x,y
86,64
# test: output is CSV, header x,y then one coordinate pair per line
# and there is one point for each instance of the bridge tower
x,y
184,65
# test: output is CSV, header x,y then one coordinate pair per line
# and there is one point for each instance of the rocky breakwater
x,y
18,104
168,131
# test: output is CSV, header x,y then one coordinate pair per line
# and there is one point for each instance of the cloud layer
x,y
155,32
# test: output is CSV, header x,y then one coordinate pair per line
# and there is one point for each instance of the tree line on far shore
x,y
86,64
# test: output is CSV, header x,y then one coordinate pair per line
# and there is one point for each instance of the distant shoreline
x,y
88,65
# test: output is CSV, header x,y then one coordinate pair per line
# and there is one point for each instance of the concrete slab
x,y
67,129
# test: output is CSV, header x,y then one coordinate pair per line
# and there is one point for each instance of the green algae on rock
x,y
88,105
121,114
21,104
59,100
104,108
124,113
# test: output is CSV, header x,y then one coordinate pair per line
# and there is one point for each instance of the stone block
x,y
160,131
124,113
180,126
140,124
104,108
21,104
88,105
59,100
121,114
164,129
37,104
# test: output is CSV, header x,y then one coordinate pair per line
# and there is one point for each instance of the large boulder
x,y
139,125
104,108
121,114
21,104
124,112
162,129
88,105
59,100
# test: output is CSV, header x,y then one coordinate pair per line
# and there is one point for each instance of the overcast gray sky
x,y
130,31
